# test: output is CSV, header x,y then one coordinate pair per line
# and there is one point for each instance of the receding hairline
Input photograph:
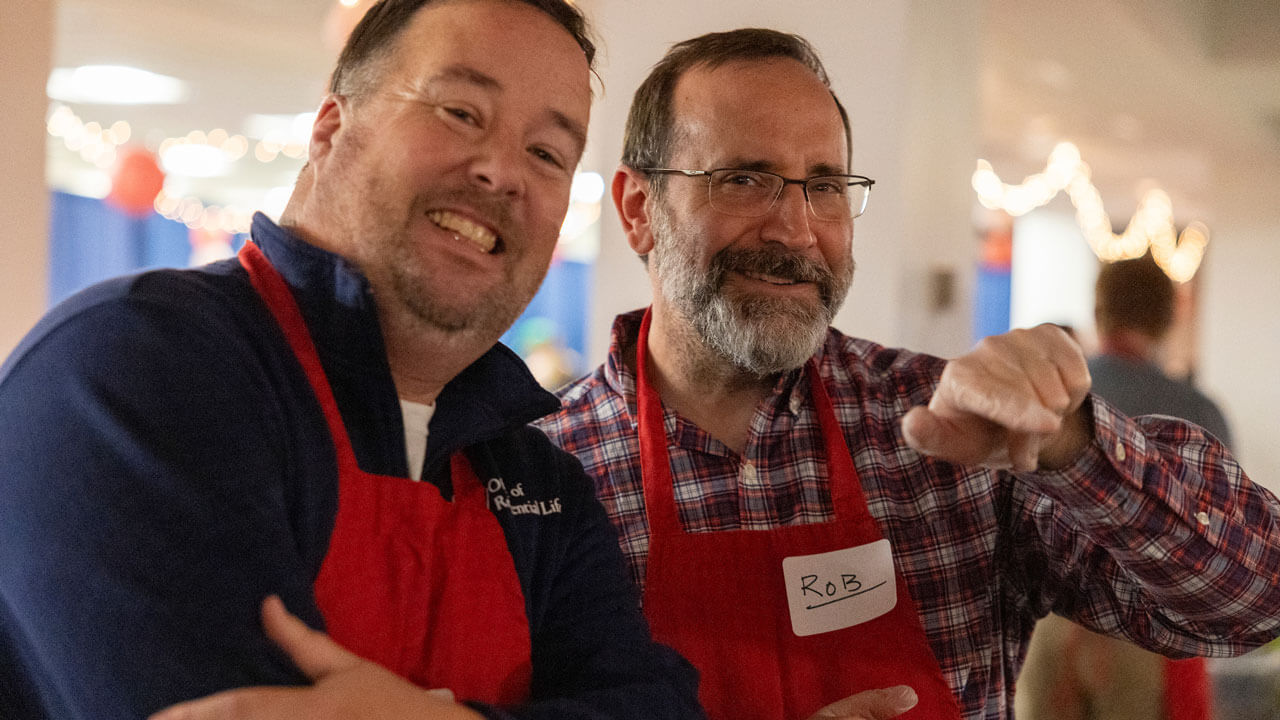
x,y
372,62
679,128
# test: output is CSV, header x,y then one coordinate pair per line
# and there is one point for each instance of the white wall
x,y
26,42
1053,272
907,71
1240,344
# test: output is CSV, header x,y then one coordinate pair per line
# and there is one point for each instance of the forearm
x,y
1190,546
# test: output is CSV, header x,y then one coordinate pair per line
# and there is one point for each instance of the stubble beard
x,y
432,298
420,292
762,336
416,294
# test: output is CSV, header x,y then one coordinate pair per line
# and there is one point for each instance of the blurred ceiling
x,y
238,58
1181,93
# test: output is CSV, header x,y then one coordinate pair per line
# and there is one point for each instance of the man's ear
x,y
329,121
631,200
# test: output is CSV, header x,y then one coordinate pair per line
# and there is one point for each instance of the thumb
x,y
879,704
970,440
929,433
314,652
920,429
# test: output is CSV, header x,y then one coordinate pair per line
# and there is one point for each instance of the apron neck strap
x,y
284,308
655,464
847,498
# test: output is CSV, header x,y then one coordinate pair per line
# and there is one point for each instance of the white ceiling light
x,y
114,85
194,160
281,129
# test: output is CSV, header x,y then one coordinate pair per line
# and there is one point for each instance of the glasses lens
x,y
836,197
743,192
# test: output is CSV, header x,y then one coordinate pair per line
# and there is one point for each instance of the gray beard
x,y
762,336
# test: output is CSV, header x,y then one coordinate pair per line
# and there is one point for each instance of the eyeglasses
x,y
751,193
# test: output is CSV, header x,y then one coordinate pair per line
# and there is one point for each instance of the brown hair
x,y
371,42
650,131
1134,294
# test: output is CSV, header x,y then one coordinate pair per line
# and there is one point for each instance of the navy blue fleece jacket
x,y
164,465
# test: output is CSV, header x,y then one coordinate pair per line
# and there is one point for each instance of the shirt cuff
x,y
1108,470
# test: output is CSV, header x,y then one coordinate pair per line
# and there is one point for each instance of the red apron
x,y
1187,691
1185,686
720,597
423,587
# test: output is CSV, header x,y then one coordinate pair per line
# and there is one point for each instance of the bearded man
x,y
829,528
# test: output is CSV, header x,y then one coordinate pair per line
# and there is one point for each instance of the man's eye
x,y
743,179
547,156
826,186
462,114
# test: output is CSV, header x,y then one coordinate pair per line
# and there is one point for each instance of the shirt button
x,y
1202,517
749,474
1119,451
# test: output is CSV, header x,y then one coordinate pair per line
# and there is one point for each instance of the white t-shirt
x,y
417,417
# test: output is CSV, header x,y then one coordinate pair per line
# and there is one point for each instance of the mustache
x,y
769,261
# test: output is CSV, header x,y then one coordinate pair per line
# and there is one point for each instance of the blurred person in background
x,y
1072,673
1134,308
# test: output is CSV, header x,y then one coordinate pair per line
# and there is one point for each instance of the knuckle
x,y
989,344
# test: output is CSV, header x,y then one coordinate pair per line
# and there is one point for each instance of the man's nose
x,y
788,221
498,166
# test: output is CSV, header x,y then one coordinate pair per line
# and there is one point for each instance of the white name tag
x,y
839,589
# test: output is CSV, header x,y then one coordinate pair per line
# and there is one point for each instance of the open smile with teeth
x,y
771,279
481,237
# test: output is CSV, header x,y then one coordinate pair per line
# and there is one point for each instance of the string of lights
x,y
99,146
1151,227
211,151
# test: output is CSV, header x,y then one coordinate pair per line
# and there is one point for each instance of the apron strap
x,y
655,463
284,308
847,499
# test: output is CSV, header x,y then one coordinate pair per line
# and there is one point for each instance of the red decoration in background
x,y
997,245
136,181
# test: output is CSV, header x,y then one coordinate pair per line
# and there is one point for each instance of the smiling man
x,y
179,445
818,521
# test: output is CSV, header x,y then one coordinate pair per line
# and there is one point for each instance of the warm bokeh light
x,y
1150,228
114,85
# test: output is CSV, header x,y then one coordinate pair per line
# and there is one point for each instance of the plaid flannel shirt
x,y
1154,533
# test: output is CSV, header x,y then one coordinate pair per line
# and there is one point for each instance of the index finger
x,y
1067,355
239,704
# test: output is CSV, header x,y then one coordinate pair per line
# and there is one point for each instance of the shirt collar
x,y
495,391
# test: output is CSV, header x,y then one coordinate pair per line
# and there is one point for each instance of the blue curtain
x,y
558,313
90,241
